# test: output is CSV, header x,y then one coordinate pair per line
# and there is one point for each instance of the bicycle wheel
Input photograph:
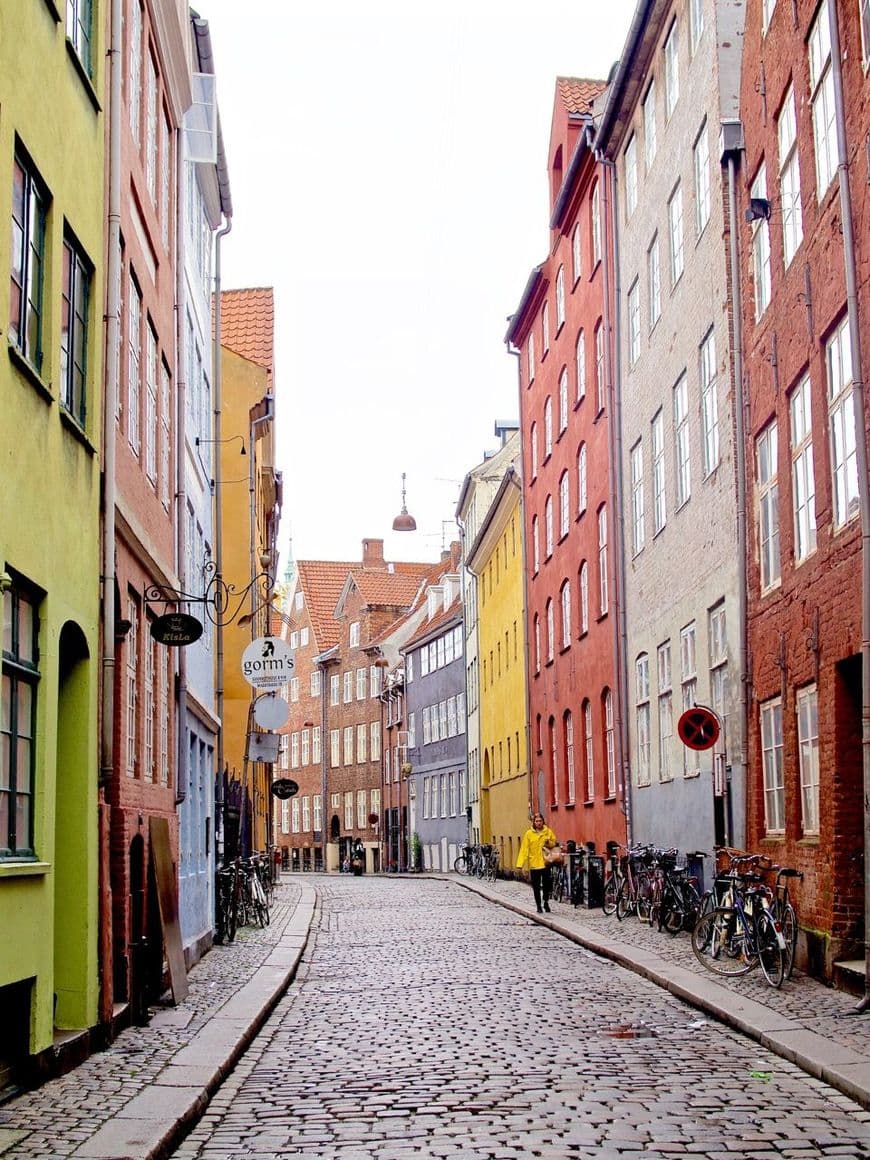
x,y
611,893
771,952
558,890
671,913
460,865
626,900
644,897
789,925
691,900
719,943
492,869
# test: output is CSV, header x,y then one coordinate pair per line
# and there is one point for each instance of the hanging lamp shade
x,y
404,521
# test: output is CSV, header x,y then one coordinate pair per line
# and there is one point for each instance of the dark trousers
x,y
540,886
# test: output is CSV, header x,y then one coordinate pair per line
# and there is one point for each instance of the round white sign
x,y
271,711
267,663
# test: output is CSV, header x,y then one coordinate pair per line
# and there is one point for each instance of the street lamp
x,y
403,521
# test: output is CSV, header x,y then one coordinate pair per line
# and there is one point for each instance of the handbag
x,y
553,855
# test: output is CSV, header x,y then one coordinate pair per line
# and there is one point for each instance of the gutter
x,y
217,379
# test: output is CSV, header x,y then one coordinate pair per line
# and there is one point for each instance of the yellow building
x,y
495,558
250,501
51,192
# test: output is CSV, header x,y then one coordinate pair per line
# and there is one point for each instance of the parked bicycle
x,y
732,940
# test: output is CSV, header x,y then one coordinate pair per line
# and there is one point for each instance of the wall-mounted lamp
x,y
5,582
201,442
403,521
759,209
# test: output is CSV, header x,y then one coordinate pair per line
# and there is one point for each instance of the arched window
x,y
581,479
609,741
537,643
533,442
571,790
580,363
576,252
548,427
548,527
560,297
584,598
550,629
603,601
566,614
564,505
588,756
563,400
536,545
554,766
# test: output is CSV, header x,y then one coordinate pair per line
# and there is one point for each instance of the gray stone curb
x,y
155,1121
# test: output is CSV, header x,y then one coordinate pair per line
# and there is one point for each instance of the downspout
x,y
110,405
267,631
180,458
740,471
614,376
861,453
217,377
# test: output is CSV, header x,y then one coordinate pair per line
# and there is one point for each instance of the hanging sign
x,y
284,788
267,663
271,711
176,629
698,728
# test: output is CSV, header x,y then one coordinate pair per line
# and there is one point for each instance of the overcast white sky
x,y
388,170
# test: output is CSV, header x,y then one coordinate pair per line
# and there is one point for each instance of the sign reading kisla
x,y
267,663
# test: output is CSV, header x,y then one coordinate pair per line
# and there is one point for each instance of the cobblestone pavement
x,y
426,1022
97,1089
818,1008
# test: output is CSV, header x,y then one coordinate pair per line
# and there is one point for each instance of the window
x,y
569,757
603,599
803,476
18,702
717,643
537,648
536,545
772,766
709,406
548,427
316,683
560,298
348,745
134,68
79,24
637,521
682,464
702,180
375,680
576,252
642,719
294,815
654,281
375,741
306,746
760,247
767,7
134,341
689,690
354,634
631,176
808,757
563,400
294,750
533,441
132,682
551,633
530,356
599,367
348,810
361,684
75,296
347,686
672,72
334,748
548,527
789,179
580,362
841,411
334,689
675,228
564,505
822,100
696,23
545,328
768,506
151,365
590,757
584,598
566,613
633,323
29,205
596,225
657,441
865,29
609,742
649,125
581,479
361,737
666,712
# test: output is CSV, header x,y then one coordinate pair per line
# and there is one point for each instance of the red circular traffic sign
x,y
698,728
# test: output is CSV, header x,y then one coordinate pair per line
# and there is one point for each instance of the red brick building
x,y
561,332
804,583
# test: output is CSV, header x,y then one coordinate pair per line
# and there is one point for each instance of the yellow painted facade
x,y
497,561
52,191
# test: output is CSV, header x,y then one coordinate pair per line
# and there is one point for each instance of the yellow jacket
x,y
532,848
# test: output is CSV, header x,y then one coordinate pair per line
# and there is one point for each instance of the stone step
x,y
850,975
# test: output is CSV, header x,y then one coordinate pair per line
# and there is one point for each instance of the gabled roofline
x,y
624,69
582,148
535,284
511,479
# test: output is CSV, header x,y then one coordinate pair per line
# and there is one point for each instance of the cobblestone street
x,y
423,1022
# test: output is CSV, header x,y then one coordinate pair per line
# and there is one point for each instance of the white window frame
x,y
789,178
654,281
584,598
563,400
760,246
682,442
642,718
841,424
548,427
354,634
548,527
657,451
807,713
564,505
582,490
566,614
599,367
675,233
577,252
822,100
802,470
630,161
770,718
766,459
596,224
696,24
709,405
633,309
637,499
580,364
701,159
560,299
603,594
650,140
672,70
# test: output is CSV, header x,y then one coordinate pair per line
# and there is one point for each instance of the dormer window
x,y
354,634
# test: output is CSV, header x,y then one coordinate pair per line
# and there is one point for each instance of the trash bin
x,y
594,881
695,866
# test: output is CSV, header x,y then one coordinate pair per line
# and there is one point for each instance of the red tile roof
x,y
395,589
578,94
437,620
248,324
322,582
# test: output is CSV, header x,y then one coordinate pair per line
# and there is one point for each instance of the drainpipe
x,y
217,377
613,364
180,485
861,452
734,147
110,401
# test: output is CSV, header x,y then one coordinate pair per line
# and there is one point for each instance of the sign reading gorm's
x,y
267,663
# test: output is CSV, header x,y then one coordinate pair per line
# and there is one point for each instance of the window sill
x,y
54,10
83,76
589,803
580,515
30,372
76,430
24,869
577,402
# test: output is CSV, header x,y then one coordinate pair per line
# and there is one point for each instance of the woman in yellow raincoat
x,y
531,854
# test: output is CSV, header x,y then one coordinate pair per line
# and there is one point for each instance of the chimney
x,y
373,554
